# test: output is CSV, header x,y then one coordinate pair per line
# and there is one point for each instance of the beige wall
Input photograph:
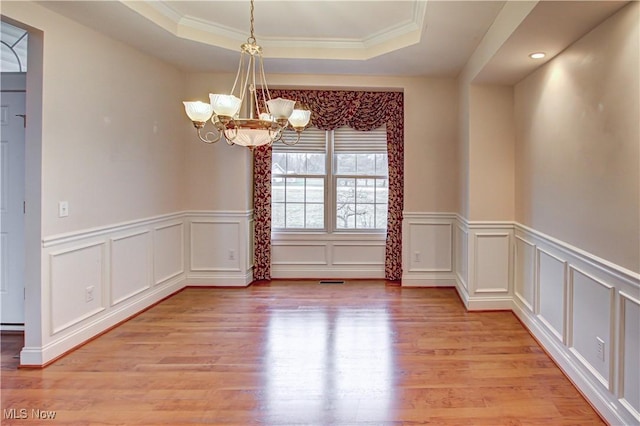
x,y
431,171
112,138
577,154
491,153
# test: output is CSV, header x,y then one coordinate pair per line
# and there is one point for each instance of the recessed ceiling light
x,y
537,55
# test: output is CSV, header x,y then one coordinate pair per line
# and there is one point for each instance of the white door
x,y
12,169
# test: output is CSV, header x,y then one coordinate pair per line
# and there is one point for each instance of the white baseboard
x,y
427,281
220,280
324,273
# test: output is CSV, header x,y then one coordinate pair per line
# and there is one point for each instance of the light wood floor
x,y
362,353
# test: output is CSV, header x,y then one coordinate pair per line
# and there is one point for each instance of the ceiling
x,y
362,37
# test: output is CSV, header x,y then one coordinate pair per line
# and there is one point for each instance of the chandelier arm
x,y
209,137
264,78
290,143
265,86
240,63
245,83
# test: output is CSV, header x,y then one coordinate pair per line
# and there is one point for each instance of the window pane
x,y
345,216
366,190
315,190
366,164
297,163
295,215
382,164
365,218
277,190
382,190
278,163
346,164
277,215
295,190
345,191
381,216
315,216
316,164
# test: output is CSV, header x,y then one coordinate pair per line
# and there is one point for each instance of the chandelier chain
x,y
252,38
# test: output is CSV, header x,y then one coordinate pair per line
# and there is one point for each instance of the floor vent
x,y
332,282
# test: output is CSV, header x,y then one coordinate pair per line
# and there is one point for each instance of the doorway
x,y
14,43
12,118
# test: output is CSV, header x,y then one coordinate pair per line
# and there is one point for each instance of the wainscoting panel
x,y
215,246
219,247
462,255
77,285
316,256
591,319
357,253
299,253
95,278
428,249
630,354
524,288
587,317
130,257
552,289
491,267
168,249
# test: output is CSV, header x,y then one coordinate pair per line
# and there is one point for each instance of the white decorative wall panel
x,y
462,255
551,282
299,253
220,248
77,285
357,254
428,250
491,262
168,252
215,246
130,265
591,319
630,353
430,247
524,288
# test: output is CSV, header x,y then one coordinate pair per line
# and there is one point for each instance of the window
x,y
331,181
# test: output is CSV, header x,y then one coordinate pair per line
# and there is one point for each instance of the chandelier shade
x,y
198,111
224,110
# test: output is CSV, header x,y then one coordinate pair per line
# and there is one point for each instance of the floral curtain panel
x,y
331,109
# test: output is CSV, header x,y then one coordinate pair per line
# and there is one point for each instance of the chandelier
x,y
274,115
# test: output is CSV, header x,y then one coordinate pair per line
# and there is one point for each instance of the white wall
x,y
577,153
98,130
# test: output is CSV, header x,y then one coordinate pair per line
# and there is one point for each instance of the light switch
x,y
63,208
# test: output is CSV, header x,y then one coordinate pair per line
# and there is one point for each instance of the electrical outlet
x,y
88,294
600,348
232,255
417,256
